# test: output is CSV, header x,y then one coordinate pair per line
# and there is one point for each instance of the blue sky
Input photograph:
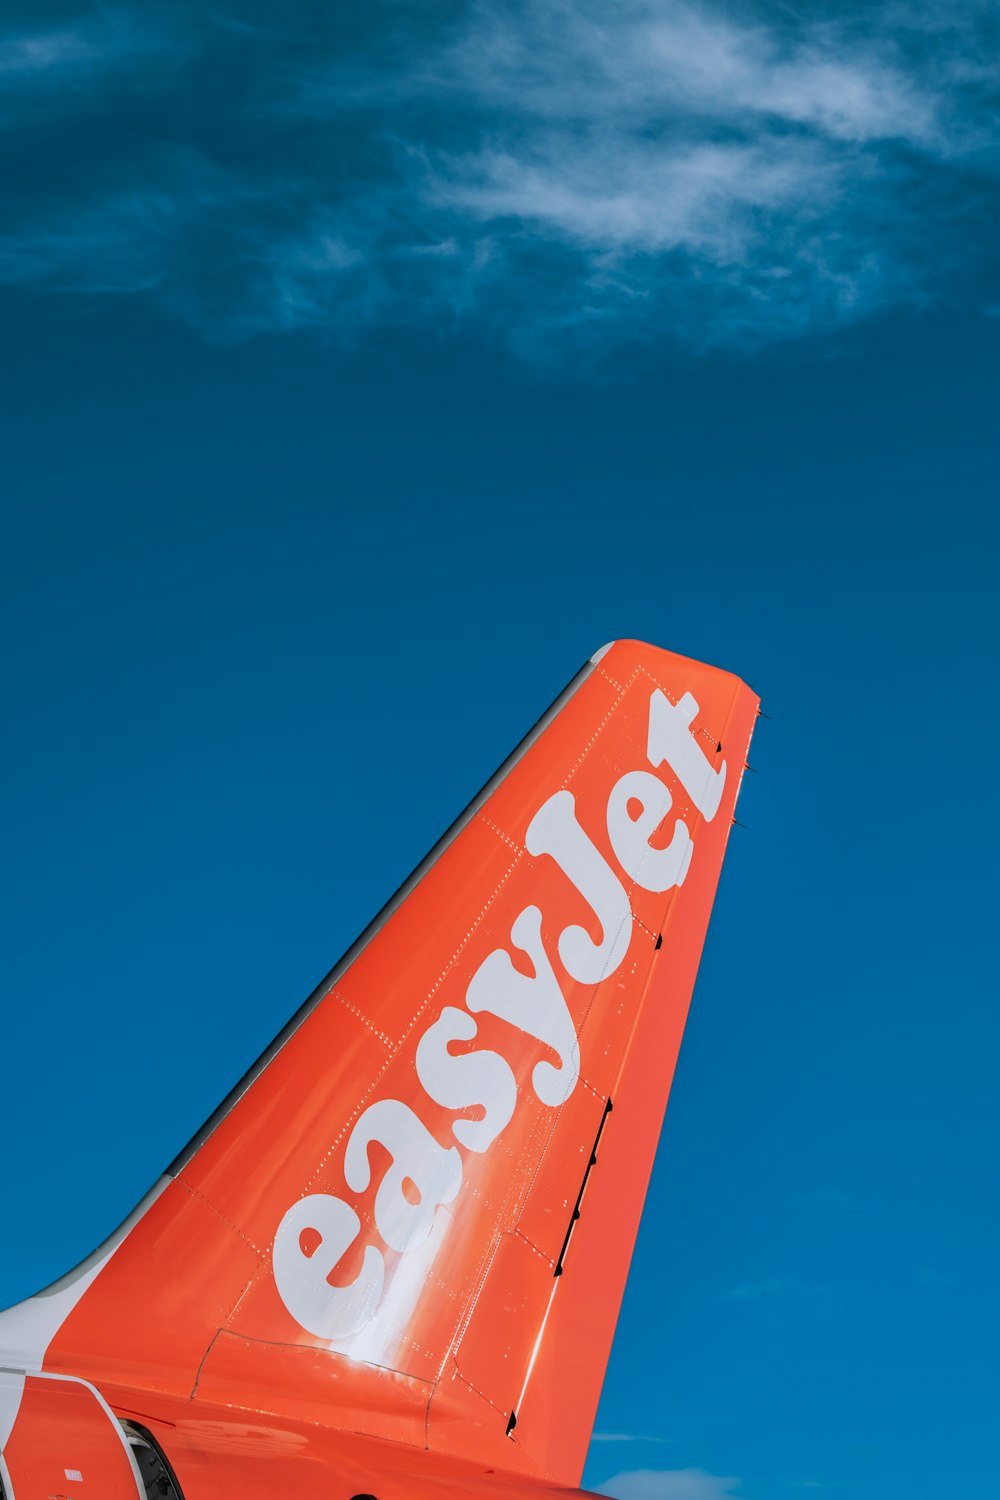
x,y
363,371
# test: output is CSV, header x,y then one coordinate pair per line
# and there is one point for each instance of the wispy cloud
x,y
669,1484
823,1199
928,1279
626,1437
567,178
44,53
769,1289
36,57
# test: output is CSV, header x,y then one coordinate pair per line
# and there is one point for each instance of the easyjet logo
x,y
318,1230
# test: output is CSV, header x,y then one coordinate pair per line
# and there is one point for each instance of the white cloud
x,y
566,176
615,194
769,1289
669,1484
44,52
931,1280
40,60
625,1437
823,1198
645,60
113,248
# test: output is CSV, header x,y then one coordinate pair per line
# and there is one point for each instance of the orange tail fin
x,y
415,1217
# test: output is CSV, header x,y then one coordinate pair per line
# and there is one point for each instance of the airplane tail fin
x,y
414,1218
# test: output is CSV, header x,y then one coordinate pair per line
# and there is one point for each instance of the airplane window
x,y
157,1476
